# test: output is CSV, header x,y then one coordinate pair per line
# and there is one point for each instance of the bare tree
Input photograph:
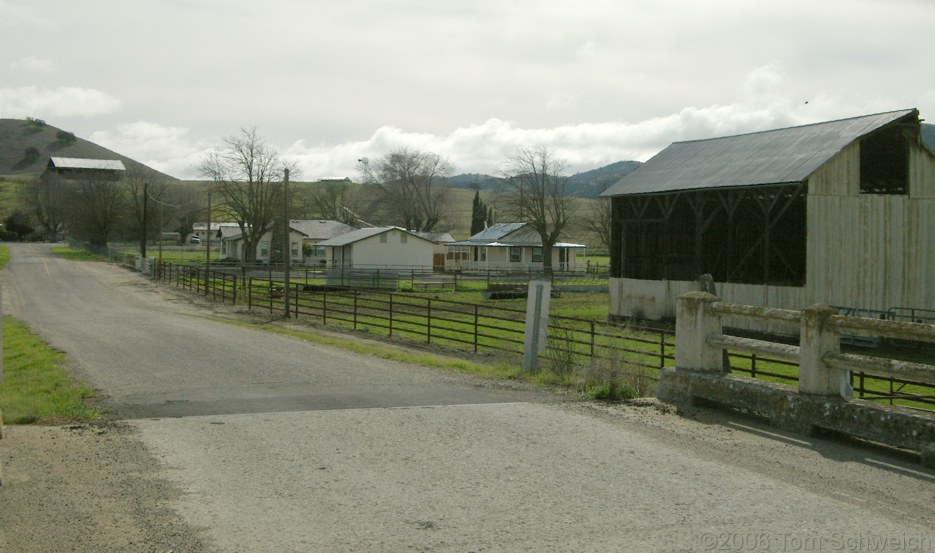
x,y
413,187
96,209
43,199
333,200
248,175
535,187
144,195
598,222
185,207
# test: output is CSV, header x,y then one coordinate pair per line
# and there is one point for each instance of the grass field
x,y
36,386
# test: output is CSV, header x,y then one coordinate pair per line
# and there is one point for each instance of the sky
x,y
326,83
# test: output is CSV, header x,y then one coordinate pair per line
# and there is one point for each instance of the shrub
x,y
65,136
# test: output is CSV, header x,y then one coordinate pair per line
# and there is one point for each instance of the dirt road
x,y
234,440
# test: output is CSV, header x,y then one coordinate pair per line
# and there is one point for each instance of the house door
x,y
563,259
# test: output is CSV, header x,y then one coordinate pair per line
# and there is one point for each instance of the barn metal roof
x,y
781,156
82,163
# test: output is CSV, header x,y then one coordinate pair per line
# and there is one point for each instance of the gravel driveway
x,y
235,440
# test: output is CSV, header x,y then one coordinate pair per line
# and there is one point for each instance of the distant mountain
x,y
928,135
27,144
588,184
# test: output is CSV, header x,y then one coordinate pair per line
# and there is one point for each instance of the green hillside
x,y
27,144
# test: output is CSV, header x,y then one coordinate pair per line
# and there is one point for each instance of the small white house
x,y
200,230
509,247
441,240
378,247
304,239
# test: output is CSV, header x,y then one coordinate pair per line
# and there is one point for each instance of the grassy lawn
x,y
36,386
76,254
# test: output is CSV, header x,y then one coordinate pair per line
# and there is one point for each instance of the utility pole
x,y
208,244
145,205
286,249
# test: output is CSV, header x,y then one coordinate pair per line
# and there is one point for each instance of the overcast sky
x,y
329,82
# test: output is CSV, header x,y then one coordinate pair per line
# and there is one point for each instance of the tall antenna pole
x,y
286,249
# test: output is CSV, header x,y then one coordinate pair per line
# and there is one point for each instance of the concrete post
x,y
537,322
816,339
693,324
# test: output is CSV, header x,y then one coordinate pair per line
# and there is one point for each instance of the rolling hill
x,y
27,144
588,184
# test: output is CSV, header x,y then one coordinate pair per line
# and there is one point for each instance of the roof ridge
x,y
908,111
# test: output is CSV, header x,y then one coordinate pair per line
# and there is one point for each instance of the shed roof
x,y
496,232
781,156
320,229
363,234
82,163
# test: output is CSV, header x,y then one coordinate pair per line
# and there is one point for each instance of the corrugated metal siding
x,y
921,173
876,253
840,176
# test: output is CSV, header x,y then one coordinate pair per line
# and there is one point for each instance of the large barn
x,y
840,213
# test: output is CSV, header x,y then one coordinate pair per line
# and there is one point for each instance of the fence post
x,y
324,307
355,310
475,328
391,313
662,350
693,324
234,291
816,339
592,339
428,323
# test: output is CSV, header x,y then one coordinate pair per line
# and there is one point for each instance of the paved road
x,y
280,445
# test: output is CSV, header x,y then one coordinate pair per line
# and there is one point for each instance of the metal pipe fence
x,y
478,328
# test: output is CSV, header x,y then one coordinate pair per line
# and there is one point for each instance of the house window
x,y
264,248
884,163
383,238
319,251
537,255
516,254
403,238
295,249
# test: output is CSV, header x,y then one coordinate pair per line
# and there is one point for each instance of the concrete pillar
x,y
816,339
693,324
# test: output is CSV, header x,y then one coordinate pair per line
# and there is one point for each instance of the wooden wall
x,y
871,251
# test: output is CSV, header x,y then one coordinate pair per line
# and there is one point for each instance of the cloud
x,y
64,101
33,65
485,147
763,80
164,148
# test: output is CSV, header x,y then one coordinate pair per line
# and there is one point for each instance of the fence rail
x,y
868,377
482,328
